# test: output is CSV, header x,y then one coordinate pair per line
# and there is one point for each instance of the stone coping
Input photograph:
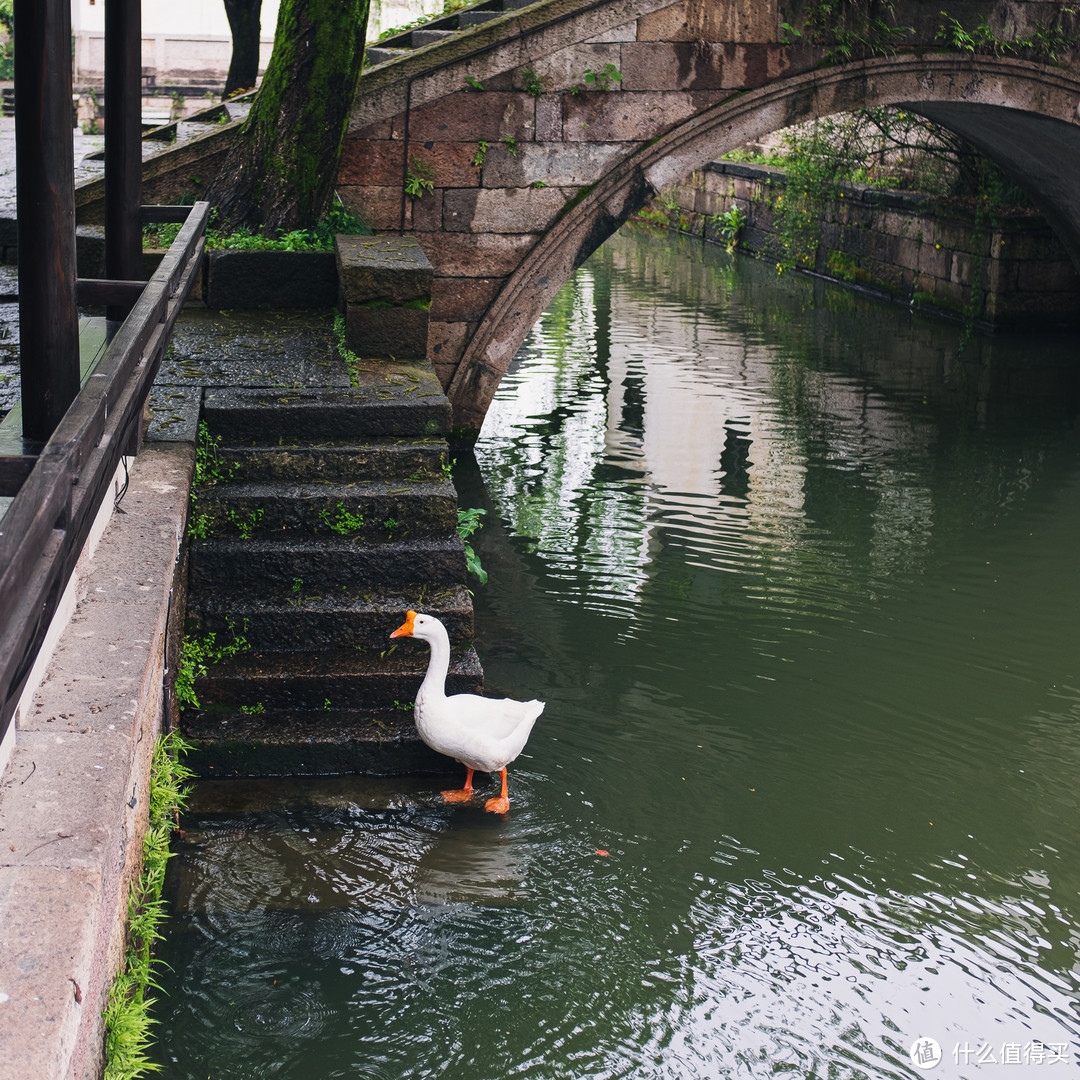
x,y
73,798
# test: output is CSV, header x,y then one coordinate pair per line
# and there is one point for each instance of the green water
x,y
797,582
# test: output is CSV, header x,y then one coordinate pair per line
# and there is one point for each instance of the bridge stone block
x,y
464,299
477,255
746,21
626,117
380,207
502,210
556,165
385,290
468,117
681,66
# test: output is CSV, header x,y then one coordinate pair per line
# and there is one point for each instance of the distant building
x,y
187,44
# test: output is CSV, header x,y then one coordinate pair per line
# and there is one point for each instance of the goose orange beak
x,y
405,629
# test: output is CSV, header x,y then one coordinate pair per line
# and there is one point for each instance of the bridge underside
x,y
1039,153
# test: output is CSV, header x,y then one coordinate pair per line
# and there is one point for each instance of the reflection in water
x,y
797,583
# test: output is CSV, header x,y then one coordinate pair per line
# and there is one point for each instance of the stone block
x,y
744,21
391,269
555,165
380,207
468,116
372,162
271,279
626,32
652,66
450,163
467,299
502,210
385,332
548,119
425,214
623,116
477,255
446,343
566,68
386,287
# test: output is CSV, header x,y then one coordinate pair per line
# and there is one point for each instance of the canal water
x,y
796,577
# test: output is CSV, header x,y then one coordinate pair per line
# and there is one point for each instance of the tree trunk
x,y
244,25
281,171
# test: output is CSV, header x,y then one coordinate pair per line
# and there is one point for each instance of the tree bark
x,y
244,25
281,171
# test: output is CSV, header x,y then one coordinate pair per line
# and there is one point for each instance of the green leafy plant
x,y
604,78
198,654
468,521
245,524
473,83
728,225
481,153
339,219
127,1011
531,82
210,469
511,145
341,521
419,178
253,710
852,29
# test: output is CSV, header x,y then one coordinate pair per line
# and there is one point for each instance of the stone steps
x,y
368,511
322,563
326,514
438,29
331,682
299,616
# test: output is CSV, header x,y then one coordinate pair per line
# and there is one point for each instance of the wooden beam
x,y
95,291
45,186
123,145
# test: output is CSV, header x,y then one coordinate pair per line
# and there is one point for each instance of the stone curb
x,y
73,798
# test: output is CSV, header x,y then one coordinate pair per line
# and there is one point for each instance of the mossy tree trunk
x,y
281,171
245,27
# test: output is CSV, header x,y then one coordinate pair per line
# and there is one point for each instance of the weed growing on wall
x,y
127,1020
198,654
468,521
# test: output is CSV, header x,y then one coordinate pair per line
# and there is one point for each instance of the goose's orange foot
x,y
464,795
498,805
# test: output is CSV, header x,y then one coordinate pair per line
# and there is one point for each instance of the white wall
x,y
192,18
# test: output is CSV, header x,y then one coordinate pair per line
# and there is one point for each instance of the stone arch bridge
x,y
530,174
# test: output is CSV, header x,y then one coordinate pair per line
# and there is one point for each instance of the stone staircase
x,y
438,29
326,513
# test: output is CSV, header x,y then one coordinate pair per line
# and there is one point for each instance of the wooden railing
x,y
60,490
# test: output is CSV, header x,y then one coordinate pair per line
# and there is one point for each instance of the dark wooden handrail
x,y
47,523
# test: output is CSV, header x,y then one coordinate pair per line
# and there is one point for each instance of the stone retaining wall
x,y
891,242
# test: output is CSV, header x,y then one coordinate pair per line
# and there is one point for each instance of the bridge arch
x,y
1022,115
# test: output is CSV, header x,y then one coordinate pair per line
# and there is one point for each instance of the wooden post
x,y
45,188
123,144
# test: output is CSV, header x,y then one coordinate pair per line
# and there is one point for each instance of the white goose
x,y
482,733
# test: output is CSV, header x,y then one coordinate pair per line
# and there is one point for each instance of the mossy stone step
x,y
379,742
323,563
298,617
412,460
401,401
331,680
372,512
